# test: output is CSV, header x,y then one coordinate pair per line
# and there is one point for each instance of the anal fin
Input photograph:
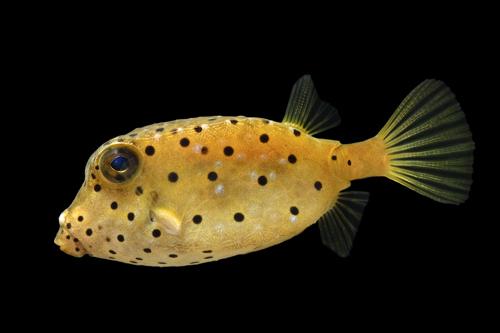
x,y
339,225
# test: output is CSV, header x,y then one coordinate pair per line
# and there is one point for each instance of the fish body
x,y
197,190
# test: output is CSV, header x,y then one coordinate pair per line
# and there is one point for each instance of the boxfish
x,y
197,190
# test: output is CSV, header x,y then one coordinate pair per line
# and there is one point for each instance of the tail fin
x,y
429,144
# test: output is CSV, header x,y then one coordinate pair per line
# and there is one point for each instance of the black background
x,y
93,81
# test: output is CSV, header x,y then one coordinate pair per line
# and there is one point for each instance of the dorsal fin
x,y
306,111
340,224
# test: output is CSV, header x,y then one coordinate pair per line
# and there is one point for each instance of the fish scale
x,y
197,190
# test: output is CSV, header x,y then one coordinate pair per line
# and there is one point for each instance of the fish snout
x,y
65,239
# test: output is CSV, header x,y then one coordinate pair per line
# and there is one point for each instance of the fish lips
x,y
71,246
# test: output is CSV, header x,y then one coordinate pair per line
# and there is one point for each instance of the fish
x,y
198,190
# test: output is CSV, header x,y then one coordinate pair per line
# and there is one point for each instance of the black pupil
x,y
119,163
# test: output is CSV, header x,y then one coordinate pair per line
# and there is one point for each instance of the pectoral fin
x,y
168,219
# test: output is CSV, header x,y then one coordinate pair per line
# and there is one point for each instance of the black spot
x,y
68,237
97,167
162,263
120,238
150,150
133,262
198,129
348,162
265,121
111,258
133,134
130,216
184,142
334,157
207,251
112,252
138,258
292,159
264,138
197,219
194,262
156,233
108,239
114,205
160,129
173,177
174,131
93,176
294,210
296,132
209,257
238,217
318,185
68,225
204,150
147,250
97,187
172,255
88,232
212,176
77,249
234,121
138,190
75,240
262,180
80,218
228,151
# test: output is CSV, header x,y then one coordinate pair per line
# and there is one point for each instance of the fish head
x,y
111,214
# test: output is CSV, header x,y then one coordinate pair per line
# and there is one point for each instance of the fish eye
x,y
119,164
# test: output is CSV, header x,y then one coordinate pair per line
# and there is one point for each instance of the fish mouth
x,y
71,246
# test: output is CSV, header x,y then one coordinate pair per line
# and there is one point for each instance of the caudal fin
x,y
429,144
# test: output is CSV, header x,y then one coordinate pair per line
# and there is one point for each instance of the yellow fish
x,y
197,190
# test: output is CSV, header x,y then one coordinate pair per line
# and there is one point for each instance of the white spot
x,y
291,129
272,175
219,189
282,161
240,156
204,126
228,121
180,129
293,218
253,210
62,217
219,228
197,148
264,157
258,227
157,136
254,175
218,164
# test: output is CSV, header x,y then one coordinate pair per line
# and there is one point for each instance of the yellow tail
x,y
428,144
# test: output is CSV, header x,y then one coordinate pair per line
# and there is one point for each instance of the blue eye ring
x,y
119,163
